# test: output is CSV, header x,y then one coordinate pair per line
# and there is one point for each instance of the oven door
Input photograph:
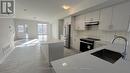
x,y
85,46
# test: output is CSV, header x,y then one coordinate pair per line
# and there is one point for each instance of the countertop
x,y
51,41
87,63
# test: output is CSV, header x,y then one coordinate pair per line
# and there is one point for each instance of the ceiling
x,y
42,10
46,10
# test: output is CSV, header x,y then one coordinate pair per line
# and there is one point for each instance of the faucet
x,y
124,54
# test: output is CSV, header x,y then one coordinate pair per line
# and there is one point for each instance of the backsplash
x,y
103,35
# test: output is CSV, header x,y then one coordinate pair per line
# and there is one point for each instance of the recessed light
x,y
25,9
66,7
34,17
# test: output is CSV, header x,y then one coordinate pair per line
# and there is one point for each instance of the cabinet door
x,y
121,16
88,17
1,54
106,19
44,50
79,22
76,22
93,16
76,43
67,21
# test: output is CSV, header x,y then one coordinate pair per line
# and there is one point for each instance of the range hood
x,y
91,23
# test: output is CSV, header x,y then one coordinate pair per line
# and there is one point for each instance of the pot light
x,y
66,7
34,17
25,9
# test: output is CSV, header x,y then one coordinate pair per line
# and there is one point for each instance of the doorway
x,y
42,32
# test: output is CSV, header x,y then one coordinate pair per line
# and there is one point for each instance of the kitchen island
x,y
50,49
87,63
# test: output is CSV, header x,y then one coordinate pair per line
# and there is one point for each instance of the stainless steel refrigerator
x,y
67,40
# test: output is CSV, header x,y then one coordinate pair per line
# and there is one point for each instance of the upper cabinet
x,y
121,17
67,20
116,18
106,19
92,16
80,22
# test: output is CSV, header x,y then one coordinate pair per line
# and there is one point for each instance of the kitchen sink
x,y
107,55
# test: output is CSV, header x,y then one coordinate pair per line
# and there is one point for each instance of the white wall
x,y
7,33
32,27
55,29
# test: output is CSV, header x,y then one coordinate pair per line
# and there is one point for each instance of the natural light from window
x,y
42,32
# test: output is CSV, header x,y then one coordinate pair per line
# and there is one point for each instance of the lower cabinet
x,y
44,51
76,43
53,51
1,55
56,51
5,51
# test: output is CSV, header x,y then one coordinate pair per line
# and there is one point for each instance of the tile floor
x,y
28,59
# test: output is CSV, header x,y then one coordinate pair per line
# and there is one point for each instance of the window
x,y
42,29
22,31
42,32
20,28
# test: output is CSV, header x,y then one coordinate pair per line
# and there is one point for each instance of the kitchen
x,y
81,36
114,21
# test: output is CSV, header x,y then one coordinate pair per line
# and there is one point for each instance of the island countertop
x,y
87,63
52,40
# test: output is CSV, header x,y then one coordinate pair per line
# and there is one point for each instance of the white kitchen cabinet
x,y
76,43
115,18
44,50
106,19
56,51
67,21
121,17
51,48
93,16
1,55
80,22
